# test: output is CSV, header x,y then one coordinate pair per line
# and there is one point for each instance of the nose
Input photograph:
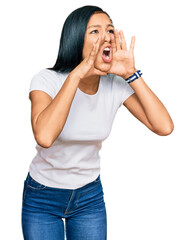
x,y
107,37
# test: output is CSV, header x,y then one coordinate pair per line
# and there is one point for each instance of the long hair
x,y
72,38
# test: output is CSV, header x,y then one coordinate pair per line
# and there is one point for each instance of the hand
x,y
86,68
123,62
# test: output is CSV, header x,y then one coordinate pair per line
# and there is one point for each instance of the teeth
x,y
106,49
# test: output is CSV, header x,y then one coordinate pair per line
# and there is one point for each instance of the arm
x,y
48,116
143,104
147,108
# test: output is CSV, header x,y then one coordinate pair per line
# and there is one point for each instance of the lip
x,y
110,55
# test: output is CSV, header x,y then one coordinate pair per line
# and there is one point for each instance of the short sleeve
x,y
44,81
123,88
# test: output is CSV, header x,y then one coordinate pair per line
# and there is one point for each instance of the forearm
x,y
52,119
155,111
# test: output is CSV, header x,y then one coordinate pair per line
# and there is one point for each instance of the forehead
x,y
99,18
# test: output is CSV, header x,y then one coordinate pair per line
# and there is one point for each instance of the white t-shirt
x,y
73,160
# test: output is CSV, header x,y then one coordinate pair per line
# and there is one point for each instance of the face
x,y
99,23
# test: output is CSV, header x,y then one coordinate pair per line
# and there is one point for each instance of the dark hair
x,y
72,38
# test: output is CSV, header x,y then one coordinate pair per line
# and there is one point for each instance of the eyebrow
x,y
108,25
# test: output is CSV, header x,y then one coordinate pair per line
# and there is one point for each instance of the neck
x,y
90,83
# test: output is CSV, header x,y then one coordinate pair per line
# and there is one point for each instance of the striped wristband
x,y
133,77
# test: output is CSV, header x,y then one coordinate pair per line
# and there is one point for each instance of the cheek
x,y
88,45
85,51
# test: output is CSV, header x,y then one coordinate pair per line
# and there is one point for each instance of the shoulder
x,y
46,73
48,77
47,81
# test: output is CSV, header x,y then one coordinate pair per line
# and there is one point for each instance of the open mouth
x,y
107,55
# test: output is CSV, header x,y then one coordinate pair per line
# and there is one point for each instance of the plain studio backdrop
x,y
148,180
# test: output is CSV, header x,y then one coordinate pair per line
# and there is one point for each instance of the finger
x,y
123,42
113,43
118,46
99,42
132,45
92,53
95,49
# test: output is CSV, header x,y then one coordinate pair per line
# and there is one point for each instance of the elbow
x,y
166,130
43,140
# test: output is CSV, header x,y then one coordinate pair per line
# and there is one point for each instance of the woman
x,y
73,108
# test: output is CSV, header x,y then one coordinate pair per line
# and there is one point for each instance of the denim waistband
x,y
30,179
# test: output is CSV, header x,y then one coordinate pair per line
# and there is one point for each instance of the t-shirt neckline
x,y
92,95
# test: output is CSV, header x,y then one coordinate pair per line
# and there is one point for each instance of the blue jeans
x,y
83,209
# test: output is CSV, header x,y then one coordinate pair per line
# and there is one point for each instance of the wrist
x,y
129,73
75,75
134,76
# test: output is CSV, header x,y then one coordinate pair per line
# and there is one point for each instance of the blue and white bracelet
x,y
133,77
